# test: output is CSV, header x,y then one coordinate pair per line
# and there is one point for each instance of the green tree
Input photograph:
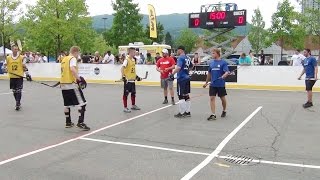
x,y
168,39
312,22
258,35
54,25
160,33
9,10
188,39
126,25
286,26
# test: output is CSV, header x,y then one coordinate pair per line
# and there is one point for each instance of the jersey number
x,y
188,62
14,67
133,70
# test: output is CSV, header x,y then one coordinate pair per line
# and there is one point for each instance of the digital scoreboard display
x,y
218,19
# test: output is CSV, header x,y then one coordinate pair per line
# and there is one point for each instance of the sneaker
x,y
69,124
172,102
135,107
212,117
179,115
308,104
18,106
83,126
187,114
224,114
126,110
165,101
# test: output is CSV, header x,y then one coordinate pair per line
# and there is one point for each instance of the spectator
x,y
29,57
137,58
196,59
108,58
263,58
85,58
297,59
150,59
174,57
97,58
142,58
244,60
61,56
157,57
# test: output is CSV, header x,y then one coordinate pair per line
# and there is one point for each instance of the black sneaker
x,y
179,115
187,114
224,114
308,104
83,126
212,117
165,101
69,124
18,106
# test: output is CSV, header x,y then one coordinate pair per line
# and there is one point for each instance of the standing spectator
x,y
28,57
61,56
85,58
44,58
97,58
244,60
150,59
142,58
137,57
263,58
174,57
108,58
196,59
297,59
157,57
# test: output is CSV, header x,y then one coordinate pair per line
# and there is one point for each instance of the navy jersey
x,y
309,65
184,62
217,68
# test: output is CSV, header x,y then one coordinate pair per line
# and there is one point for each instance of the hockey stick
x,y
231,72
52,86
309,79
145,77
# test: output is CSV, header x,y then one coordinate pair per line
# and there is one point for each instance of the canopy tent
x,y
8,51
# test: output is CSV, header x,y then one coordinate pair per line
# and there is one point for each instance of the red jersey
x,y
164,63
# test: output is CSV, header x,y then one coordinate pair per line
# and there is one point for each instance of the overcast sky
x,y
267,7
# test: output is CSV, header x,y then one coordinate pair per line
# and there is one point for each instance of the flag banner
x,y
152,21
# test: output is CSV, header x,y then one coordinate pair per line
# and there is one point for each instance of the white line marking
x,y
201,153
79,137
5,93
146,146
220,146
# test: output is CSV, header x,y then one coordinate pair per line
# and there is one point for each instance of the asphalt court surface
x,y
280,141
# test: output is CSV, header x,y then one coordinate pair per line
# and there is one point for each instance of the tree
x,y
54,25
160,33
9,10
168,39
126,25
258,35
286,26
188,39
312,22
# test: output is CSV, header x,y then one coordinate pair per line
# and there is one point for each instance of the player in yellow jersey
x,y
129,76
15,65
72,84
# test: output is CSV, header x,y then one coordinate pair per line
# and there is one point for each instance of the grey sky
x,y
267,7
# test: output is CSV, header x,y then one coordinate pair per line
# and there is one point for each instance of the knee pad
x,y
133,94
82,109
187,98
125,93
181,97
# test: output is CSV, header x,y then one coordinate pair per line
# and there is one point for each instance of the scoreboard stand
x,y
221,18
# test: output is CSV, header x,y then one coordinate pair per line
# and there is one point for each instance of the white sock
x,y
188,106
182,106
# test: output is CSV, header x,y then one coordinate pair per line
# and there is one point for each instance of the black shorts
x,y
310,84
129,87
183,87
73,97
16,83
221,91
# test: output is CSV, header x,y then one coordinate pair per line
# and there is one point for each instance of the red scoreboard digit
x,y
194,20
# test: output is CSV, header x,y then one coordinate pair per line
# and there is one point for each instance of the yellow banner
x,y
152,21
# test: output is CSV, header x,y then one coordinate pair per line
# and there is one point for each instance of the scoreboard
x,y
218,19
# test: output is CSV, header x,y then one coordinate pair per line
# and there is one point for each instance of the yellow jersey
x,y
15,66
66,74
130,69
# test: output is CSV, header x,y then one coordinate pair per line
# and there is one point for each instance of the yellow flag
x,y
152,21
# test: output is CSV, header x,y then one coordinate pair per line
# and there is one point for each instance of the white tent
x,y
8,51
